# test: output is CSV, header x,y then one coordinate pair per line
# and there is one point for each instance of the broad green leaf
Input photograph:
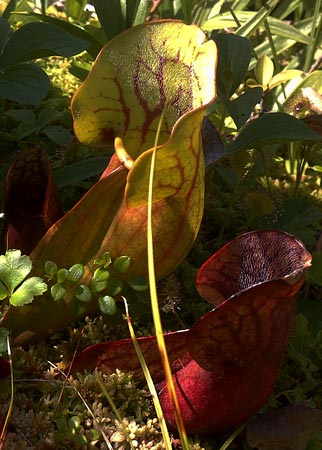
x,y
159,67
80,171
241,107
25,116
100,274
111,16
36,40
271,129
231,67
14,268
104,260
62,275
4,32
24,83
58,134
46,116
69,27
27,290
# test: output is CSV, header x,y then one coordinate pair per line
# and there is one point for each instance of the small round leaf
x,y
122,263
104,261
62,275
264,70
58,291
138,283
51,268
75,273
107,305
100,274
83,293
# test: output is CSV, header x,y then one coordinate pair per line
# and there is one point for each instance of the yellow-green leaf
x,y
264,70
163,68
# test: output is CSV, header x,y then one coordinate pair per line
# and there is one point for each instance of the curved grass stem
x,y
155,304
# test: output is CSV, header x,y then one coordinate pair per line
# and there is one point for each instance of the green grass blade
x,y
277,27
150,383
141,12
247,29
314,37
155,304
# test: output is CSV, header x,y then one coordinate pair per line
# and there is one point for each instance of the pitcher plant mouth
x,y
162,68
233,349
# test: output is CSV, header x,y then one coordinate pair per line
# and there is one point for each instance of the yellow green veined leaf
x,y
158,67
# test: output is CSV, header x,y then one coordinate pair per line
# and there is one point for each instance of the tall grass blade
x,y
155,305
151,386
248,28
141,12
314,37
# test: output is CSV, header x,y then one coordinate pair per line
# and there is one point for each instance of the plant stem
x,y
155,304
